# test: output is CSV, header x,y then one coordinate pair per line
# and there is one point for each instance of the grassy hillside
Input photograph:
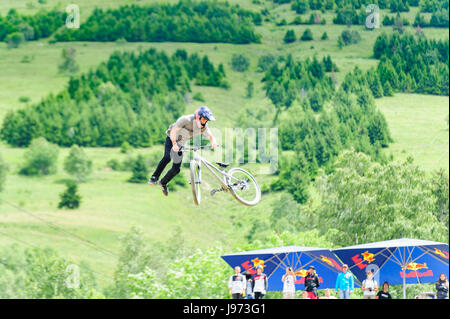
x,y
111,206
419,126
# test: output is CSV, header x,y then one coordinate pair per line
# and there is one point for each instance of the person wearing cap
x,y
180,132
260,283
311,283
344,283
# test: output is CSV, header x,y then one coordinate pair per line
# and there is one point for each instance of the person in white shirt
x,y
260,283
369,286
288,284
237,284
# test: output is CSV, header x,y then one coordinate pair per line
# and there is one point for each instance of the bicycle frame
x,y
212,169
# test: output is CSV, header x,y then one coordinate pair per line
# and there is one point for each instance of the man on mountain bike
x,y
184,129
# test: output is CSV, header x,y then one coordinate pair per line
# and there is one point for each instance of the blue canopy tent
x,y
399,262
276,260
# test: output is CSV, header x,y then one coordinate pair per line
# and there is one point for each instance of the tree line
x,y
131,97
31,27
324,122
185,21
410,64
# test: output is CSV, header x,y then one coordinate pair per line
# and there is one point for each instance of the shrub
x,y
199,97
14,40
265,62
69,198
240,62
307,35
78,164
140,171
350,37
24,99
41,158
289,37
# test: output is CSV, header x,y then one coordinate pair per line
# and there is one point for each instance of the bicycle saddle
x,y
223,165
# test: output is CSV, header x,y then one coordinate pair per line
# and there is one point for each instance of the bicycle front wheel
x,y
195,181
243,187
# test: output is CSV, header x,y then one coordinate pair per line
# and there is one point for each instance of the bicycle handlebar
x,y
196,148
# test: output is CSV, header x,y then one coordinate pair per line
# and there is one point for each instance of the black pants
x,y
165,160
236,296
259,295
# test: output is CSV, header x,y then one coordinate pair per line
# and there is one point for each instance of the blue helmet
x,y
205,112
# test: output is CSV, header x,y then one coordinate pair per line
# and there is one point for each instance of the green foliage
x,y
307,35
31,27
289,37
199,97
186,21
440,190
40,273
286,215
349,37
40,159
349,15
77,163
412,64
196,276
14,40
69,64
377,201
125,147
142,265
250,89
70,199
140,171
128,98
240,62
265,62
353,121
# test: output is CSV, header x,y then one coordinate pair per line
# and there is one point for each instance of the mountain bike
x,y
239,182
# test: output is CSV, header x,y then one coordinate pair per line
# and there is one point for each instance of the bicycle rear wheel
x,y
195,181
244,187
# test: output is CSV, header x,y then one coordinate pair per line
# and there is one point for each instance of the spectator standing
x,y
442,287
369,286
259,283
237,284
312,283
288,284
384,293
248,284
344,283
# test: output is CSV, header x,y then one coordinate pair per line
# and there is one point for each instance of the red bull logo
x,y
331,262
257,262
441,253
367,257
250,268
416,266
302,273
414,273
